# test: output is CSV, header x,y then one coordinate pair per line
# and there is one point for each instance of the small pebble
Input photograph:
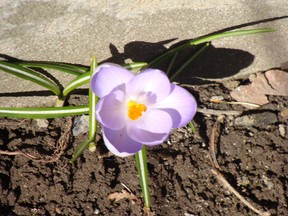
x,y
81,125
217,98
96,211
284,113
42,123
231,84
244,121
261,120
188,214
282,130
179,157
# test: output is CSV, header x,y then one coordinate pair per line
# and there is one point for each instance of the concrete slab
x,y
74,31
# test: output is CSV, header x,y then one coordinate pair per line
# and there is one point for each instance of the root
x,y
62,144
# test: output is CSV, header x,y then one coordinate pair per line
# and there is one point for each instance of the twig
x,y
212,154
18,153
219,112
221,179
226,184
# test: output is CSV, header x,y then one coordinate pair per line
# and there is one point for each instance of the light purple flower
x,y
136,110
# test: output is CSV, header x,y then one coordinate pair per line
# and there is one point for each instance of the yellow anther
x,y
135,110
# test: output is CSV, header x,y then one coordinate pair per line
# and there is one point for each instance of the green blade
x,y
80,149
200,50
75,83
205,39
135,65
85,77
31,75
141,164
63,67
45,112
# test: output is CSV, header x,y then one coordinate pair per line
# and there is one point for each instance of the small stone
x,y
267,182
243,181
188,214
245,121
231,84
217,98
282,130
261,120
278,80
81,125
272,82
179,157
284,113
250,134
96,211
42,123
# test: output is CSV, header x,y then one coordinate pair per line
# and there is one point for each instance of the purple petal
x,y
151,81
152,128
180,104
119,143
108,76
111,110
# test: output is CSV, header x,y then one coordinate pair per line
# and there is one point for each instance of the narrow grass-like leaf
x,y
169,69
80,149
201,49
85,77
44,112
135,65
63,67
31,75
205,39
77,82
141,164
192,126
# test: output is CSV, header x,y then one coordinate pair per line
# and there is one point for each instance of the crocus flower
x,y
136,110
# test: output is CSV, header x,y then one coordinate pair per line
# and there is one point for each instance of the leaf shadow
x,y
214,63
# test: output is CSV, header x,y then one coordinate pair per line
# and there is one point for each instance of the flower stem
x,y
141,163
93,99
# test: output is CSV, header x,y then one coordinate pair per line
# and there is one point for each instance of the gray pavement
x,y
74,31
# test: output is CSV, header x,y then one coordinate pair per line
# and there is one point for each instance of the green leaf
x,y
141,164
135,65
44,112
192,126
80,149
63,67
205,39
31,75
77,82
200,50
85,77
172,61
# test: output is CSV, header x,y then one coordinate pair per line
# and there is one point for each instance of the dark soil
x,y
253,159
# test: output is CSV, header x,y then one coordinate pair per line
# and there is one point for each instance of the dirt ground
x,y
253,158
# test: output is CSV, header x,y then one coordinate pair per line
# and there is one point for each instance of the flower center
x,y
135,110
